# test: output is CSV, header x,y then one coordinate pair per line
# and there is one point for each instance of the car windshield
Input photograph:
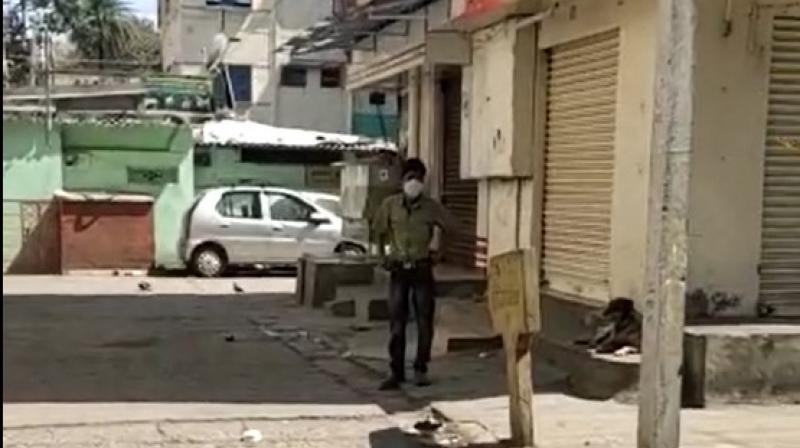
x,y
331,205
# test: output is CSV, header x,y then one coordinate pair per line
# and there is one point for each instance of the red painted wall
x,y
477,7
107,235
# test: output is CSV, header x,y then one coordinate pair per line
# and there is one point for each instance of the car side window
x,y
240,204
287,208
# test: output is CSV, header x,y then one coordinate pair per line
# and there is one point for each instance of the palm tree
x,y
105,30
100,29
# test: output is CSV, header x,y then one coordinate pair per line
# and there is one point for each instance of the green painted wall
x,y
31,160
369,125
226,169
31,172
119,134
101,162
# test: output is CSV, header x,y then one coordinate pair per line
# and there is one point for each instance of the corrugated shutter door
x,y
780,240
460,196
579,164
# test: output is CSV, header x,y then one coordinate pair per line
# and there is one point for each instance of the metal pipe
x,y
46,44
536,18
395,17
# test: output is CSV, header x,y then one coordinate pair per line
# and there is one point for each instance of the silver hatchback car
x,y
252,226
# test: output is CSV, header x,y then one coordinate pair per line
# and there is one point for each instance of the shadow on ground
x,y
153,348
202,349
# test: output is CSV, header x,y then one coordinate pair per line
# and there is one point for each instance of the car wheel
x,y
351,249
208,261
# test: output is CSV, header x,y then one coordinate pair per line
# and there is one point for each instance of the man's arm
x,y
445,220
445,227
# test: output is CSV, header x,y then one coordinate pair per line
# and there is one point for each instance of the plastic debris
x,y
430,424
252,436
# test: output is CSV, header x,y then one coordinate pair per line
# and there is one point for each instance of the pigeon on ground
x,y
237,288
145,286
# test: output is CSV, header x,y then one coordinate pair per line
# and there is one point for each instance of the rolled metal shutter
x,y
780,219
459,196
579,164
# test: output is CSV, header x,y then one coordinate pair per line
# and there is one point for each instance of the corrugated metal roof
x,y
243,133
344,31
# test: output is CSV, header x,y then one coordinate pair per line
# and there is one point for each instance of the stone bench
x,y
319,277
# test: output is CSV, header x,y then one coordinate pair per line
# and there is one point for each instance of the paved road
x,y
145,370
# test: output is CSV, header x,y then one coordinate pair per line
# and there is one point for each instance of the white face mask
x,y
413,188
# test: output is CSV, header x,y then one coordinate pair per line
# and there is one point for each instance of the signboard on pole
x,y
514,308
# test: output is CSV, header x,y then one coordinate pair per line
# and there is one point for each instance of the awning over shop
x,y
345,31
101,196
440,47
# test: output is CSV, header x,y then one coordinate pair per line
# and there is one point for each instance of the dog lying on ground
x,y
618,326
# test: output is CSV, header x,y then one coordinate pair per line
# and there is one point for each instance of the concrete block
x,y
342,307
355,273
318,278
741,363
299,287
591,376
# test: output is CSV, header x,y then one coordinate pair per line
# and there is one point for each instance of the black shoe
x,y
390,384
421,379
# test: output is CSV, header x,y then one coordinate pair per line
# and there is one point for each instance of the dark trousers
x,y
415,287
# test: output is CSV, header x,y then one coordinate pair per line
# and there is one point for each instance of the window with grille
x,y
293,76
331,78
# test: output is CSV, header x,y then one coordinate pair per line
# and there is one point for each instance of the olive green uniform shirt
x,y
408,226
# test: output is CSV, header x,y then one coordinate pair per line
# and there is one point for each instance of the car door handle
x,y
277,228
224,225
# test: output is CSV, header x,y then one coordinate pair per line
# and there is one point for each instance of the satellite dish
x,y
219,44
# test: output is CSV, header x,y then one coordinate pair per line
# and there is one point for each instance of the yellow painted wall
x,y
498,114
726,183
636,21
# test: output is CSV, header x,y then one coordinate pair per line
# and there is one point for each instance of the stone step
x,y
368,303
318,278
447,285
590,375
741,363
365,303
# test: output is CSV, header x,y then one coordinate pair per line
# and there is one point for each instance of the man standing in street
x,y
412,225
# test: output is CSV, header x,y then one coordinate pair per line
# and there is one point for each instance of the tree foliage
x,y
102,30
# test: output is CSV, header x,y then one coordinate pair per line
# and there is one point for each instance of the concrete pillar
x,y
428,128
662,343
413,112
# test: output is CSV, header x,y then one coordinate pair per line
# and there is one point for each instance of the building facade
x,y
72,188
267,85
536,119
